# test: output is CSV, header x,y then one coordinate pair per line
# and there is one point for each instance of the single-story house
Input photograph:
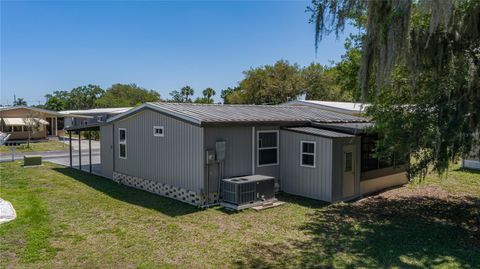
x,y
183,150
350,108
95,115
17,120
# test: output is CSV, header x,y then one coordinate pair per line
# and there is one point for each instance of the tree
x,y
348,67
420,69
84,97
32,124
19,102
208,93
182,96
227,93
54,103
268,84
321,83
126,95
186,92
177,97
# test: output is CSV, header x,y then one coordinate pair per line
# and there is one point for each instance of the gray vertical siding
x,y
106,150
175,159
315,182
238,153
238,159
337,172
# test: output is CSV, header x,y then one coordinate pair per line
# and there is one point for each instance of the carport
x,y
79,130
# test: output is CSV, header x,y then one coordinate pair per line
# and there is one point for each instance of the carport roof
x,y
90,127
219,115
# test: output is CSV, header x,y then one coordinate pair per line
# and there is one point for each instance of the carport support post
x,y
80,150
90,150
70,146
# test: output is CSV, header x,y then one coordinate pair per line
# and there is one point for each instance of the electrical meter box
x,y
210,158
220,150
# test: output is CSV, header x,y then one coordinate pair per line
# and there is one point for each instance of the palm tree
x,y
20,102
186,92
208,93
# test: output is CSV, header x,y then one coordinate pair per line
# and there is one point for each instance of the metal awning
x,y
23,121
90,127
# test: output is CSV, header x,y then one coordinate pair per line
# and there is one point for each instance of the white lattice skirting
x,y
177,193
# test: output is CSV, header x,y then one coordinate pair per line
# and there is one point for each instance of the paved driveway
x,y
63,157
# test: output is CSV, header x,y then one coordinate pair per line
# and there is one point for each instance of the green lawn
x,y
69,219
37,146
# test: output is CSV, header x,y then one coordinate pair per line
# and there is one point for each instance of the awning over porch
x,y
23,121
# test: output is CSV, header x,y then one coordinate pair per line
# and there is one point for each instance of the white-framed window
x,y
99,118
122,143
267,148
158,131
307,153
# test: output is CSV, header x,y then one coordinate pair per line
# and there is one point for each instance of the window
x,y
18,128
99,118
348,162
158,131
122,143
267,148
369,160
307,154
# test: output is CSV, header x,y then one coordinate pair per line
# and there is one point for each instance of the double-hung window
x,y
99,118
122,143
307,153
267,148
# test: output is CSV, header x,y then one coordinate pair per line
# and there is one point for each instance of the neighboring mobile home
x,y
95,115
16,121
472,161
170,148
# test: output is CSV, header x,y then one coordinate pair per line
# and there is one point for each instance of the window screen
x,y
122,143
307,157
268,148
123,150
122,134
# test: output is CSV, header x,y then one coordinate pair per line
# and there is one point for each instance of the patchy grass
x,y
67,218
37,146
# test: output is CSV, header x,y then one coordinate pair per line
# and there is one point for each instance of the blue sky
x,y
47,46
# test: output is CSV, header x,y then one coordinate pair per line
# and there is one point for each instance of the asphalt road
x,y
63,157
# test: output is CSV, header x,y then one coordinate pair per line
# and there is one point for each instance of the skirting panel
x,y
471,164
177,193
380,183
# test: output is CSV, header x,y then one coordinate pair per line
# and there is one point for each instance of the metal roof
x,y
114,110
348,127
90,127
318,132
217,114
55,113
341,107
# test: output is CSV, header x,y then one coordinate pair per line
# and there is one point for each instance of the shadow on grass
x,y
404,232
130,195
